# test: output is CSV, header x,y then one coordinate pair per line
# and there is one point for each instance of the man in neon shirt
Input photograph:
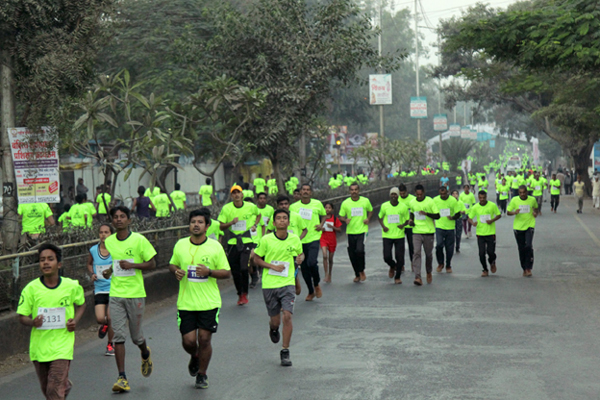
x,y
47,305
423,212
555,185
132,253
179,198
34,218
198,262
259,184
405,198
206,194
483,217
163,205
524,208
103,201
393,217
445,228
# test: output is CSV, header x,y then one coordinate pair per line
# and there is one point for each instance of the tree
x,y
297,53
46,57
456,150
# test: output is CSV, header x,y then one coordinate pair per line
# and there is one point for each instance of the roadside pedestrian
x,y
579,187
142,204
596,191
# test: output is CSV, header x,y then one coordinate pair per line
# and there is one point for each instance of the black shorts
x,y
101,298
189,321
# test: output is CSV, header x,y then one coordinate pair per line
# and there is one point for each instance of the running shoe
x,y
274,335
147,364
110,350
244,298
285,358
102,331
240,300
201,381
121,386
194,366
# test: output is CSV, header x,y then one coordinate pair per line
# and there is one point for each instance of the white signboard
x,y
35,159
380,89
465,132
454,130
440,122
418,107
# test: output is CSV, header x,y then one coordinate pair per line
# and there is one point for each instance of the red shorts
x,y
329,241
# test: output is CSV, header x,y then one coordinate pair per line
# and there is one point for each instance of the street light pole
x,y
417,66
381,128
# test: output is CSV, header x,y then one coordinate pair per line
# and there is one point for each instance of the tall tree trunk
x,y
278,175
10,224
581,159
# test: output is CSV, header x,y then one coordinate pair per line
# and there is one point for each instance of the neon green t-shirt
x,y
297,224
152,193
481,214
537,186
524,219
503,190
246,215
266,214
357,212
468,200
275,250
162,204
516,181
214,230
78,214
259,185
406,200
101,207
178,198
34,217
198,293
311,213
554,186
55,342
423,224
128,284
447,208
205,193
392,216
64,221
91,212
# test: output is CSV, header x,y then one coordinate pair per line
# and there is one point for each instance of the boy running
x,y
47,305
328,239
197,263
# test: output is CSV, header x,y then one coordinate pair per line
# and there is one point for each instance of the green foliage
x,y
390,154
455,150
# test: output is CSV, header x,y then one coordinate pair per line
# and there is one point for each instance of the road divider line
x,y
589,232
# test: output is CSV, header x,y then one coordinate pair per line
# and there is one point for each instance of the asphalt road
x,y
462,337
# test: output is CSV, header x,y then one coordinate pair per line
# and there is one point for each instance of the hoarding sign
x,y
418,107
380,89
440,122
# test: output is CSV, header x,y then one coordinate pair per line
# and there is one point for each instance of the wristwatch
x,y
209,272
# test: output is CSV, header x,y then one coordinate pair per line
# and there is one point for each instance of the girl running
x,y
99,260
329,239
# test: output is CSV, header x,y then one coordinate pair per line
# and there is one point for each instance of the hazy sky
x,y
440,9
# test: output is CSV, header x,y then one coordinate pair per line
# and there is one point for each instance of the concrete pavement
x,y
462,337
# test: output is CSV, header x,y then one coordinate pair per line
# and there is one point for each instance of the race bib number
x,y
194,277
467,206
393,219
212,236
356,212
524,209
266,220
254,233
239,226
420,217
283,273
328,227
120,272
504,193
484,218
290,231
445,212
306,213
515,180
99,270
54,318
537,188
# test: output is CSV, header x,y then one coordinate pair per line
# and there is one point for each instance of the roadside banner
x,y
454,130
380,89
418,107
35,159
440,122
465,132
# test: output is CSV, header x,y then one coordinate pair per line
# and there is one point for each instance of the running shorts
x,y
278,299
101,298
329,242
189,321
123,310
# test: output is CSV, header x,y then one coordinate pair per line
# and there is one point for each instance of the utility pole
x,y
455,113
417,65
440,112
10,225
381,129
465,112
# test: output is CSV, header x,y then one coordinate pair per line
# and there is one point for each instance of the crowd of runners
x,y
258,244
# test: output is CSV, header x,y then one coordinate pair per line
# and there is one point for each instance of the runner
x,y
241,218
276,253
515,182
179,198
206,193
445,227
483,182
503,191
99,260
555,186
468,200
132,253
103,200
255,235
47,305
445,181
78,214
163,204
524,208
313,213
356,212
537,185
578,188
92,212
405,198
259,184
198,262
64,222
34,218
483,217
422,213
328,239
393,217
266,212
458,223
